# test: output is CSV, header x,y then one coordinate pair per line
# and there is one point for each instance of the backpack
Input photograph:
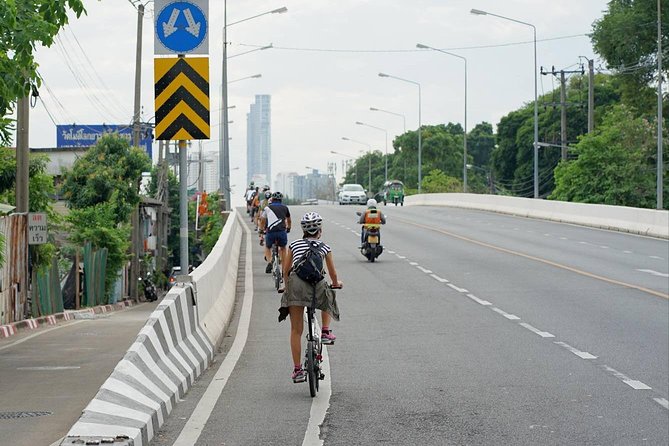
x,y
310,266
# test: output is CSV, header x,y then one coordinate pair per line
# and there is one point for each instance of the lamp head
x,y
256,76
423,47
478,12
383,75
345,138
266,47
280,10
359,123
373,109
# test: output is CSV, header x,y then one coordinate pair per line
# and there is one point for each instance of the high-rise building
x,y
203,172
259,141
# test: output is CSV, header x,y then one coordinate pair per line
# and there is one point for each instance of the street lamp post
x,y
464,152
224,144
404,118
420,139
536,104
488,174
386,156
255,76
347,164
369,159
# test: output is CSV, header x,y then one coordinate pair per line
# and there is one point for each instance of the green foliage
x,y
626,37
615,164
438,182
212,225
98,224
480,144
173,253
24,24
110,168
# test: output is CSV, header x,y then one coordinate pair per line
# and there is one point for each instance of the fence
x,y
14,271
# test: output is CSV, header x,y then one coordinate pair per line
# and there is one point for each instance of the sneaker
x,y
268,268
299,376
327,337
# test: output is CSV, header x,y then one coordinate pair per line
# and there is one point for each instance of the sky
x,y
322,73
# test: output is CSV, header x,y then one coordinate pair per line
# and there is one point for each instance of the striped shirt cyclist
x,y
300,246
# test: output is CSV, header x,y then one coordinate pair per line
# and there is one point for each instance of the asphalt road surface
x,y
472,328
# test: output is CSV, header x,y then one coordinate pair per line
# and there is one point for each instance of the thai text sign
x,y
37,228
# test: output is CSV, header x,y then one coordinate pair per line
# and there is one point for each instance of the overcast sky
x,y
323,72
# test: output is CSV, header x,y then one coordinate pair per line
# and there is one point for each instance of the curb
x,y
53,319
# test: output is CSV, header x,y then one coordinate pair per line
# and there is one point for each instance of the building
x,y
259,139
285,183
203,171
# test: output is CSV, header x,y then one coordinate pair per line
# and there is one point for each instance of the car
x,y
176,271
352,194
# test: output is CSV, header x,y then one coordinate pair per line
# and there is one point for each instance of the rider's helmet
x,y
277,196
371,203
251,184
268,195
311,222
265,187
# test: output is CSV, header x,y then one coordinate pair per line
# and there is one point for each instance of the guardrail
x,y
641,221
171,351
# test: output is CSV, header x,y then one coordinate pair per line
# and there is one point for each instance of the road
x,y
472,328
50,374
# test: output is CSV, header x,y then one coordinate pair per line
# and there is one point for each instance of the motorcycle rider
x,y
371,217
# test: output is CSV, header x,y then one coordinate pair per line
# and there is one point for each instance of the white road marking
x,y
478,301
627,252
662,402
40,333
633,383
580,354
58,442
400,257
655,257
434,276
604,247
564,238
195,425
655,273
425,270
458,289
391,252
413,263
543,334
511,317
547,235
319,406
583,243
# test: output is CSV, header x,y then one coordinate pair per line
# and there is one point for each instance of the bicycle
x,y
314,350
276,266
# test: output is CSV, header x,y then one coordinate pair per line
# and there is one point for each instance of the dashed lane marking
x,y
511,317
662,402
425,270
655,257
478,301
580,354
391,252
413,263
543,334
456,288
440,279
654,273
537,259
633,383
400,257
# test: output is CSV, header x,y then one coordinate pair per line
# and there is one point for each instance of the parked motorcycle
x,y
150,293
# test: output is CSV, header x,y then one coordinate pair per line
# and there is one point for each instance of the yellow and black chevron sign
x,y
182,98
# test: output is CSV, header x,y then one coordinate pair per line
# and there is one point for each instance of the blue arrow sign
x,y
181,28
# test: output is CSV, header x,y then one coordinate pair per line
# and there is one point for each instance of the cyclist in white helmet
x,y
298,293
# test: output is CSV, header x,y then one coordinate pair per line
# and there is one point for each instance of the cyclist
x,y
267,198
371,216
275,223
298,293
255,204
248,196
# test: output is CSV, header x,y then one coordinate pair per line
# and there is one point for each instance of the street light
x,y
224,147
386,157
404,118
536,104
369,159
255,76
350,157
420,139
464,150
266,47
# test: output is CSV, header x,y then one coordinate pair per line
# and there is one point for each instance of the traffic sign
x,y
182,98
182,27
37,228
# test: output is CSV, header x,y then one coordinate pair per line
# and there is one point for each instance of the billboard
x,y
74,135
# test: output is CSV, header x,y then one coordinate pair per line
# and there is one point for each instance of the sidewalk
x,y
50,373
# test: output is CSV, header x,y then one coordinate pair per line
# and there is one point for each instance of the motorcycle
x,y
371,245
150,293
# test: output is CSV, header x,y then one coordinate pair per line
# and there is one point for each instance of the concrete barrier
x,y
641,221
171,351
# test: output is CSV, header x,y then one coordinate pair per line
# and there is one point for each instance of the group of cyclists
x,y
273,222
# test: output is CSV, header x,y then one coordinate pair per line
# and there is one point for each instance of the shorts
x,y
299,293
278,237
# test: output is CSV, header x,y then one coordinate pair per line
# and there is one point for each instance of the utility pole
x,y
22,201
591,95
660,163
136,237
563,105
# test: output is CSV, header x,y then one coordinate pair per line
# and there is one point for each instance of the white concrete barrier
x,y
649,222
171,351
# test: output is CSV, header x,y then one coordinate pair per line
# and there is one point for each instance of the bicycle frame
x,y
313,353
276,266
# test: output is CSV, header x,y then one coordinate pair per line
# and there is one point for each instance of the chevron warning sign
x,y
182,98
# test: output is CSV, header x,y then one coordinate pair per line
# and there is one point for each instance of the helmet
x,y
265,187
268,195
277,196
371,203
251,183
311,222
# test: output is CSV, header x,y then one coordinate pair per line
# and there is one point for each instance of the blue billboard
x,y
73,135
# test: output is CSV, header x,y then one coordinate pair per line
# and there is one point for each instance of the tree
x,y
480,143
437,181
111,168
626,37
615,164
23,25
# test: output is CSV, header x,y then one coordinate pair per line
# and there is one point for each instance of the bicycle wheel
x,y
312,373
277,273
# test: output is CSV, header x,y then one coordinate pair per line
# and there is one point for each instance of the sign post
x,y
37,228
